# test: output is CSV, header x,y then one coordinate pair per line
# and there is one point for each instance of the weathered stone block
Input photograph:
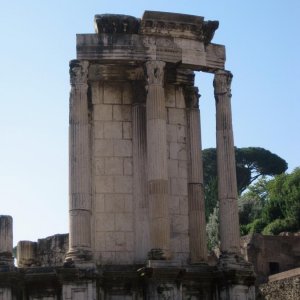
x,y
112,239
171,133
178,151
123,184
108,258
98,130
185,244
179,98
51,251
182,169
174,205
113,166
112,130
99,166
124,258
6,293
176,116
104,148
103,112
105,222
112,93
178,186
128,203
127,130
123,148
127,95
179,224
122,113
100,240
104,184
127,166
124,222
97,92
76,291
99,203
184,205
129,239
175,243
170,96
26,254
181,134
173,168
114,203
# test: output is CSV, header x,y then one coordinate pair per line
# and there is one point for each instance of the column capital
x,y
192,97
78,72
222,82
155,72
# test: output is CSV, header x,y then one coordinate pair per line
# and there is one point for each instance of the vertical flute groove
x,y
157,160
139,190
79,165
227,184
197,224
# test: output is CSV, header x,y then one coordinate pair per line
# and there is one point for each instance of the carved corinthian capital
x,y
78,72
222,82
192,96
155,72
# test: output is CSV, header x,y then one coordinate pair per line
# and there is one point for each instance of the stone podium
x,y
136,199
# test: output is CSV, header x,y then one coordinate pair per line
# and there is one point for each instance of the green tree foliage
x,y
275,205
252,202
251,163
212,229
254,162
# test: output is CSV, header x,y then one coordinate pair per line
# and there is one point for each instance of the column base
x,y
237,279
233,261
157,264
159,254
82,258
6,260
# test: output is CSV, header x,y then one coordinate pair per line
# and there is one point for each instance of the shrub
x,y
280,225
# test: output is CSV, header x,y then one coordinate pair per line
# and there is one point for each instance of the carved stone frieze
x,y
111,23
178,25
115,72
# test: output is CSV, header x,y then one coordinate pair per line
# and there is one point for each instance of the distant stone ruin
x,y
136,205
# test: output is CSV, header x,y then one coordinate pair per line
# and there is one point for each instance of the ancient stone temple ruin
x,y
137,221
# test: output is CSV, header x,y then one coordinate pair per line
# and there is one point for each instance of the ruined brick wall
x,y
262,250
285,289
51,251
47,252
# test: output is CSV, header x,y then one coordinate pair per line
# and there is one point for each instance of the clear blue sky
x,y
38,40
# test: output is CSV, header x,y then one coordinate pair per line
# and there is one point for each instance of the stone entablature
x,y
169,37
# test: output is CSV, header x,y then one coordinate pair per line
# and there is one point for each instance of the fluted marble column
x,y
227,184
79,165
139,145
157,162
26,254
197,225
6,240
